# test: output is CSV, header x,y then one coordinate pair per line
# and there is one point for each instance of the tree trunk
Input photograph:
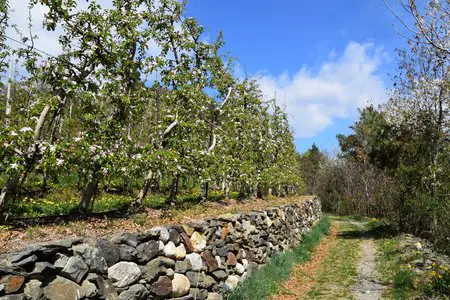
x,y
173,190
259,191
8,189
88,194
136,205
206,191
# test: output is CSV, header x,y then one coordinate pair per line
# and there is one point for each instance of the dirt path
x,y
367,286
342,267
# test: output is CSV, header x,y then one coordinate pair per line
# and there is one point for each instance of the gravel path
x,y
367,286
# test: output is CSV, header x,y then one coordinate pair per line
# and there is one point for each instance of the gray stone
x,y
222,251
188,229
198,240
245,263
229,217
124,273
268,222
196,261
62,288
214,296
126,252
248,227
92,257
240,268
75,269
162,287
125,238
13,297
231,283
180,285
170,249
33,290
60,261
198,294
161,248
90,289
183,266
135,292
26,261
252,267
106,289
41,270
170,273
220,275
92,277
44,250
109,251
147,251
165,261
60,244
174,236
200,279
180,252
161,232
154,267
219,261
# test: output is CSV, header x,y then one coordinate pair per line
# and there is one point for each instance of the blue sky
x,y
298,46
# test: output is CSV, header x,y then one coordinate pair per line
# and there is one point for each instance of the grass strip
x,y
266,280
393,272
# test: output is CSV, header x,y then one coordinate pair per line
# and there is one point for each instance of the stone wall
x,y
191,261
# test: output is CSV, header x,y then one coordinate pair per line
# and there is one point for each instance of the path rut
x,y
367,286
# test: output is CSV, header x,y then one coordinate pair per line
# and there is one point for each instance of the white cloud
x,y
343,83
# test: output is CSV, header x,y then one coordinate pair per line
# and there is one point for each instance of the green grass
x,y
267,279
393,273
61,202
337,273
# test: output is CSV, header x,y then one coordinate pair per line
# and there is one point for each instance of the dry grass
x,y
304,275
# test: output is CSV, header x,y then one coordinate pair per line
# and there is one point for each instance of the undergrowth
x,y
267,279
393,272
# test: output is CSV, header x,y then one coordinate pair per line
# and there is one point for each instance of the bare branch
x,y
398,17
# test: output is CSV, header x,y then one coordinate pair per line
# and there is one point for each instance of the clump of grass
x,y
140,219
267,279
403,282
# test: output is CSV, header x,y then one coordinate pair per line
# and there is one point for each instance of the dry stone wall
x,y
190,261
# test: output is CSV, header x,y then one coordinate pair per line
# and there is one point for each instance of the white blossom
x,y
25,129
